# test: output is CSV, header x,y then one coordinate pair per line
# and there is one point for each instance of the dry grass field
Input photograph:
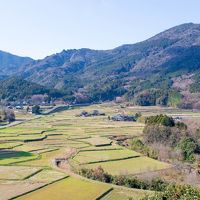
x,y
68,189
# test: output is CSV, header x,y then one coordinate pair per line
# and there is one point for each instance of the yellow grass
x,y
130,166
68,189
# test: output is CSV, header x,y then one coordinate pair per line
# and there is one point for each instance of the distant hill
x,y
10,64
16,88
147,72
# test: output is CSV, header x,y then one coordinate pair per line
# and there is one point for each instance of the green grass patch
x,y
46,159
11,157
9,145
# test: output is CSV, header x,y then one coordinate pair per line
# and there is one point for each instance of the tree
x,y
146,98
10,115
27,109
7,115
138,115
2,114
188,147
36,109
38,99
161,119
181,125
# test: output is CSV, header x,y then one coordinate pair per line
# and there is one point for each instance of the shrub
x,y
131,182
181,125
146,98
138,115
96,174
188,147
7,115
163,120
138,145
10,115
176,192
157,134
36,109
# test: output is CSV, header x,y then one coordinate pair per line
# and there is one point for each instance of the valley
x,y
42,157
100,100
162,70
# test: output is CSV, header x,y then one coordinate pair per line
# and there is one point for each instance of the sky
x,y
37,28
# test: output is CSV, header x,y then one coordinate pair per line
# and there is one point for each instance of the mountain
x,y
10,64
147,72
166,52
16,88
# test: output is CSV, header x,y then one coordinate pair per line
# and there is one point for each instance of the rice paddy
x,y
28,152
68,189
17,172
130,166
104,155
126,194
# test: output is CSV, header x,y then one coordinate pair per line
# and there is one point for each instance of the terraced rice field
x,y
11,156
126,194
28,152
17,172
130,166
104,155
46,159
68,189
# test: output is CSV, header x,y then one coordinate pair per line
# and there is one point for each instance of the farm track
x,y
15,123
65,167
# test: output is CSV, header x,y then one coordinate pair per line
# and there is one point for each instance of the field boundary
x,y
33,174
28,176
19,122
110,160
104,194
114,149
11,147
31,159
39,188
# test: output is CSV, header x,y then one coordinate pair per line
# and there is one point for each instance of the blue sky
x,y
38,28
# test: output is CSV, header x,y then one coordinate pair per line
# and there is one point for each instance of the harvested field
x,y
12,189
47,176
130,166
28,152
97,141
17,172
126,194
102,156
68,189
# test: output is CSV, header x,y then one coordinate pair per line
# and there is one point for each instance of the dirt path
x,y
62,163
17,122
65,167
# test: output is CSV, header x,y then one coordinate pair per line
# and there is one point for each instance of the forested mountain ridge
x,y
10,64
17,89
159,53
147,72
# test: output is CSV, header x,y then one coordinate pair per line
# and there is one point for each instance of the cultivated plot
x,y
68,189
